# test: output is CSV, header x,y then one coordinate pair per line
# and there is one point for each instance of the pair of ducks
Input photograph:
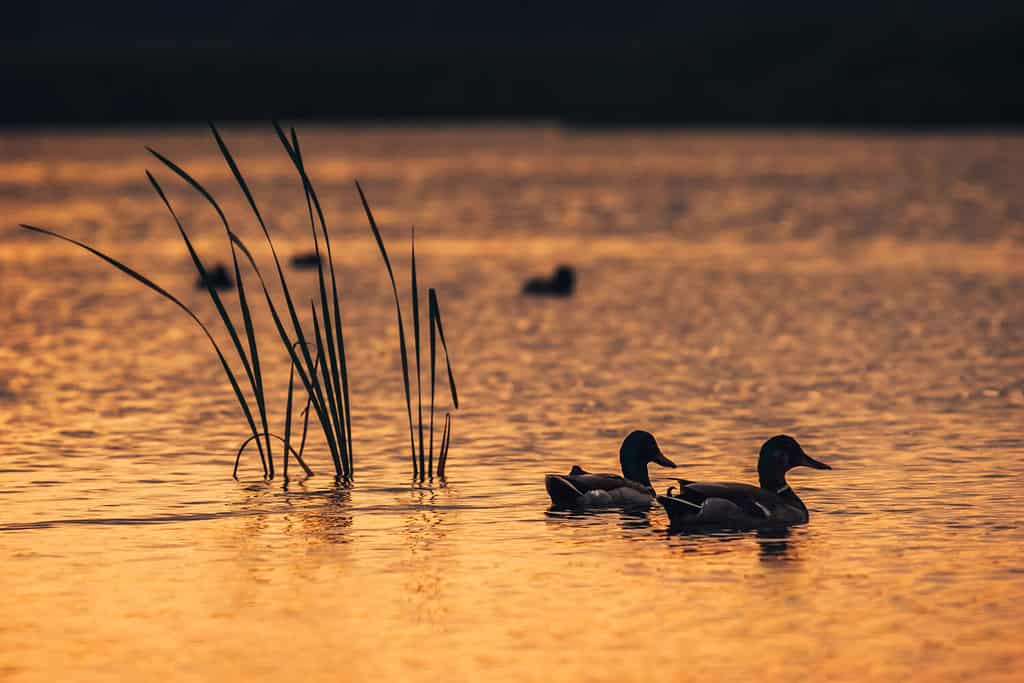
x,y
697,504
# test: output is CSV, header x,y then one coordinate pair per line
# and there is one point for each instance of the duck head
x,y
779,455
639,449
565,277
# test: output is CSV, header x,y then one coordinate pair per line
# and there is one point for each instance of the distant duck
x,y
742,506
306,261
581,489
562,283
217,278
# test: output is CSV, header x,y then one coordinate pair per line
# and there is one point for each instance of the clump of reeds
x,y
318,357
423,466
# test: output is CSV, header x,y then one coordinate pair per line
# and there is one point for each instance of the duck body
x,y
306,261
729,505
561,283
583,489
217,278
732,505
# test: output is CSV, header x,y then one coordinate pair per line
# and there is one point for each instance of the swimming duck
x,y
562,283
580,488
306,261
217,277
728,505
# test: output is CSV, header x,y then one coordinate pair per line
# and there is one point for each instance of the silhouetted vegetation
x,y
422,467
317,356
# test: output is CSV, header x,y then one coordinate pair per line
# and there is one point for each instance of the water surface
x,y
861,292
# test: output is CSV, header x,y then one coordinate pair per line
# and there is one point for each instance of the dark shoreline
x,y
809,78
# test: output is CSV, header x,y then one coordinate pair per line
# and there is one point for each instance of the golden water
x,y
861,292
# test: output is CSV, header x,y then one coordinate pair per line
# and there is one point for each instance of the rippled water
x,y
861,292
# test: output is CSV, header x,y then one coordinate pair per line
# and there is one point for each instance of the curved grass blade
x,y
212,291
296,454
329,432
331,380
138,277
256,375
444,345
332,393
309,379
335,338
401,328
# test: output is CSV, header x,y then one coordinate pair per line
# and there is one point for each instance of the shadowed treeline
x,y
742,63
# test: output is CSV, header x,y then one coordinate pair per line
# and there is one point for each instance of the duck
x,y
217,278
743,506
562,283
582,489
306,261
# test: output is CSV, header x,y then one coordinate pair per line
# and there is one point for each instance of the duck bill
x,y
662,460
811,462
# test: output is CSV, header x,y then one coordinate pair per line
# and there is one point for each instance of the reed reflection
x,y
425,528
425,524
330,521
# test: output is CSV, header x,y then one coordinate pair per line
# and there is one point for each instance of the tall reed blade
x,y
446,440
435,309
321,406
257,379
343,473
447,358
339,332
305,367
288,422
338,383
170,297
401,328
305,411
219,305
416,336
431,305
288,419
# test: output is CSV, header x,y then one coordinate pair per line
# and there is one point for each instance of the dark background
x,y
729,62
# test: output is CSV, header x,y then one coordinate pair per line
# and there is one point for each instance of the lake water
x,y
862,292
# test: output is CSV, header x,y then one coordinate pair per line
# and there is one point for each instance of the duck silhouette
x,y
561,283
306,261
217,278
582,489
743,506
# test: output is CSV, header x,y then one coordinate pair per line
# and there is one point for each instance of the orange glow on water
x,y
859,292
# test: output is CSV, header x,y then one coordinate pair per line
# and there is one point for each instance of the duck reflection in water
x,y
777,544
